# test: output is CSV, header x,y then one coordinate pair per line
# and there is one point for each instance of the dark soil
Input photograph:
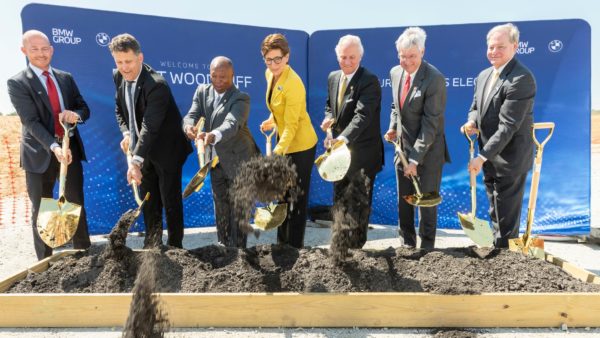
x,y
274,268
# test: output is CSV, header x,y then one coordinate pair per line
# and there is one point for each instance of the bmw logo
x,y
102,39
555,46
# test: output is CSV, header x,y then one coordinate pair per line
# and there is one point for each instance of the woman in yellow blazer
x,y
286,100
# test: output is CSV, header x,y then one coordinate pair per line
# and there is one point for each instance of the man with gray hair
x,y
417,121
502,114
352,112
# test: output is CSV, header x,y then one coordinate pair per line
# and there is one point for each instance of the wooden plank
x,y
573,270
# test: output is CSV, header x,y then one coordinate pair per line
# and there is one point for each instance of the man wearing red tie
x,y
417,120
43,96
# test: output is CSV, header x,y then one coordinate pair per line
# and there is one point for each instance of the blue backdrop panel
x,y
182,50
557,52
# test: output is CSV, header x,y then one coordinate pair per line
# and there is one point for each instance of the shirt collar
x,y
39,72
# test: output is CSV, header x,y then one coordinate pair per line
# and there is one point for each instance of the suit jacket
x,y
161,139
288,108
421,119
505,119
230,119
358,119
31,101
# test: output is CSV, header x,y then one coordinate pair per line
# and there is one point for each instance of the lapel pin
x,y
280,88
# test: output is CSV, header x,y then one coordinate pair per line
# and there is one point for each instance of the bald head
x,y
37,48
221,73
221,62
34,34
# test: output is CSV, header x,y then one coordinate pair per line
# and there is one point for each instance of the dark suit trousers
x,y
358,237
228,232
291,232
42,185
507,206
165,191
430,179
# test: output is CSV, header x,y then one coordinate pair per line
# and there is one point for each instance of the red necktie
x,y
405,89
55,103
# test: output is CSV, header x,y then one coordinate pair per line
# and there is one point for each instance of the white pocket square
x,y
418,93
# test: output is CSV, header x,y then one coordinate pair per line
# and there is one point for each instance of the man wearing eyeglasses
x,y
352,112
417,120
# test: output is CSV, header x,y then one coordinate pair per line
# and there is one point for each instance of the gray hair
x,y
511,30
33,32
348,40
411,37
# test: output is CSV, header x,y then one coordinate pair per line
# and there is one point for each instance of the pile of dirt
x,y
275,268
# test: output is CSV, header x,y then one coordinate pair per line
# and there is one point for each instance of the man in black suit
x,y
151,125
502,113
417,117
226,110
43,96
352,111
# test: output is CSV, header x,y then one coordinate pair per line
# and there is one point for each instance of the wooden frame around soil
x,y
384,309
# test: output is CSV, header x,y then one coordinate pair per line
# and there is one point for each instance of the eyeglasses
x,y
276,59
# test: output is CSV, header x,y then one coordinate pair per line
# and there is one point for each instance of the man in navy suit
x,y
43,96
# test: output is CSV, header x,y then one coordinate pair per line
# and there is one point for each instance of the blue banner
x,y
557,51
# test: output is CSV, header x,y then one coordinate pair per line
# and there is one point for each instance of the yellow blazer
x,y
288,109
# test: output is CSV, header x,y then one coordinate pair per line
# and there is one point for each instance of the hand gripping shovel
x,y
132,214
428,199
197,182
273,215
527,244
478,230
333,164
58,219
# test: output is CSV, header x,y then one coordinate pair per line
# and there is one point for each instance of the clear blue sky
x,y
312,15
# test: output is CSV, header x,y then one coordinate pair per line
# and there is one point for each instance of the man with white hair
x,y
352,111
502,113
417,120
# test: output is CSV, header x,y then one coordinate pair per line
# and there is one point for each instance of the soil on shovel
x,y
275,268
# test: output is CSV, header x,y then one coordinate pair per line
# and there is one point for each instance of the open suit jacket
x,y
31,101
420,122
504,120
161,139
358,119
230,119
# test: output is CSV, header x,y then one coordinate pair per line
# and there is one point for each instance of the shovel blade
x,y
271,216
532,247
429,199
57,221
478,230
334,163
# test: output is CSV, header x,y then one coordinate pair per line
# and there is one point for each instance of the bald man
x,y
226,133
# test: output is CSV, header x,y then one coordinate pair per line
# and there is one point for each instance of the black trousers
x,y
292,230
42,185
164,187
228,233
505,207
430,179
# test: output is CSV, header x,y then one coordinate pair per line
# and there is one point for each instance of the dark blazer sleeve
x,y
236,116
75,100
368,99
328,109
197,109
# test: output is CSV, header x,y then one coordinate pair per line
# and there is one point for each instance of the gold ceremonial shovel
x,y
272,215
197,182
478,230
428,199
527,244
58,219
333,164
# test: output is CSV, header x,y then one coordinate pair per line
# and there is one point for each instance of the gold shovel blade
x,y
57,221
477,229
532,247
428,199
197,182
334,163
271,216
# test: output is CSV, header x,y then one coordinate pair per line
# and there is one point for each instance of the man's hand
x,y
267,125
69,116
410,170
328,142
134,173
191,132
326,124
125,144
391,135
470,128
475,165
59,155
209,138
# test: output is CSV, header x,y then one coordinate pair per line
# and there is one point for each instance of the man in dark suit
x,y
226,111
417,118
43,96
502,113
151,125
352,111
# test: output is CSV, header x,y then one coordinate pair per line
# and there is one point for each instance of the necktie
x,y
491,84
405,89
131,110
342,91
217,101
55,103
